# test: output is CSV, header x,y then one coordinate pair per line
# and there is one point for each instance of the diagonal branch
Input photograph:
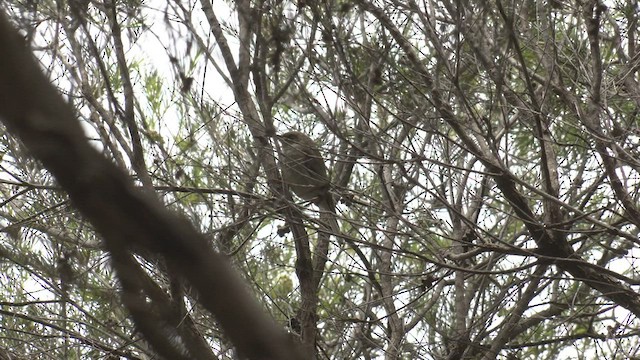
x,y
550,245
126,218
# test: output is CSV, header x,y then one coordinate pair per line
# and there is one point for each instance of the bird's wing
x,y
315,163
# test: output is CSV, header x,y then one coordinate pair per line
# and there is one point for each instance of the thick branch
x,y
33,110
549,244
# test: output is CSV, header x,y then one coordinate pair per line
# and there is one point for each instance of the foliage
x,y
484,154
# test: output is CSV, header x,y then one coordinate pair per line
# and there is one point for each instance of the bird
x,y
304,171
